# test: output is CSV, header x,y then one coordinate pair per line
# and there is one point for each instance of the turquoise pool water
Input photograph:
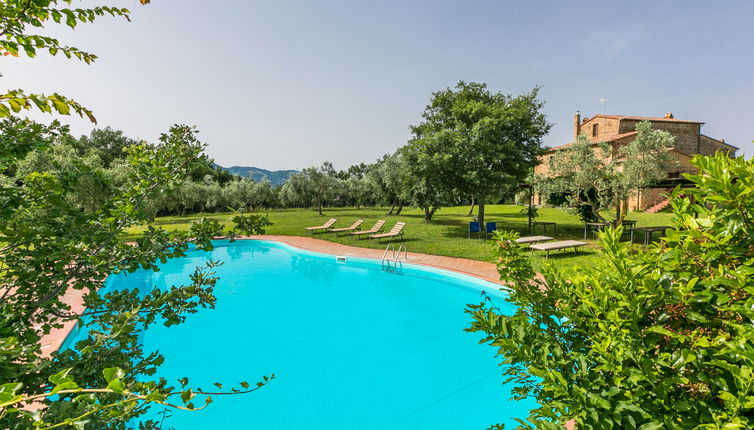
x,y
352,347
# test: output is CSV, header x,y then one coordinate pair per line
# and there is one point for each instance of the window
x,y
595,129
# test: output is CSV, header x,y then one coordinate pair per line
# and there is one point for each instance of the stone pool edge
x,y
477,269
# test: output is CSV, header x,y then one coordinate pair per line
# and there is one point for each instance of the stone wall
x,y
686,133
708,146
605,126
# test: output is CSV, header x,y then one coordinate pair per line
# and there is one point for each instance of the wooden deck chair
x,y
375,228
397,230
324,226
353,227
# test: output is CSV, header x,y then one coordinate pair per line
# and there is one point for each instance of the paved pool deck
x,y
479,269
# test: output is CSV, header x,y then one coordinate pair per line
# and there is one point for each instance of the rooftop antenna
x,y
603,100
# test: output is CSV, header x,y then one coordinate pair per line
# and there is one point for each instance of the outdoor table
x,y
588,226
544,226
631,224
648,231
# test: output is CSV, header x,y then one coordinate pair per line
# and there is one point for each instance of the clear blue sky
x,y
286,84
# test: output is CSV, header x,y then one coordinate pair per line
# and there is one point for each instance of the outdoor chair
x,y
324,226
474,228
353,227
375,228
397,230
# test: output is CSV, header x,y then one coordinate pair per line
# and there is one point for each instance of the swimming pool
x,y
352,346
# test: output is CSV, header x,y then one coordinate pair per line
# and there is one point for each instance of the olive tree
x,y
320,182
601,177
385,177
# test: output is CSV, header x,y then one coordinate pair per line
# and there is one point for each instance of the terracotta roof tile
x,y
641,118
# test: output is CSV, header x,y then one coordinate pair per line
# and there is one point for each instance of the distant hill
x,y
276,177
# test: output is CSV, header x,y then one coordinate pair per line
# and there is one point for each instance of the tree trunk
x,y
471,210
480,217
400,208
390,212
319,205
428,213
621,212
618,218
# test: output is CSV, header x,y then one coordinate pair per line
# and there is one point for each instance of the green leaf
x,y
111,373
696,316
61,377
116,385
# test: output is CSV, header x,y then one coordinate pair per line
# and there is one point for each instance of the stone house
x,y
619,130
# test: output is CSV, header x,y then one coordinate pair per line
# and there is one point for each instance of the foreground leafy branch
x,y
53,242
17,18
11,402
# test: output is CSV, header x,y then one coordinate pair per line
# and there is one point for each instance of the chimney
x,y
669,115
722,140
576,125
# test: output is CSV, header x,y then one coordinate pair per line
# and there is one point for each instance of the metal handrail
x,y
395,256
405,253
387,248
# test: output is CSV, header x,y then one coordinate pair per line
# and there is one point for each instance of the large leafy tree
x,y
52,245
659,339
107,143
473,143
600,177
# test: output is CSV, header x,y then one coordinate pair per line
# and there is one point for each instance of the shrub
x,y
662,338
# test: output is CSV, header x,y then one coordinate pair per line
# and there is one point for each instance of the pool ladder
x,y
393,262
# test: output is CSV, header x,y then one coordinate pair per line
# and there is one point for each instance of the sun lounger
x,y
532,239
397,230
375,228
353,227
553,246
324,226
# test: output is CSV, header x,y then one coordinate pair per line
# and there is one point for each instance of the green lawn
x,y
445,235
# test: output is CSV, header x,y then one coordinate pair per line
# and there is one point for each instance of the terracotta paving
x,y
487,271
478,269
54,340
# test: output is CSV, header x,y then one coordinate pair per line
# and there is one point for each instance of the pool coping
x,y
476,269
